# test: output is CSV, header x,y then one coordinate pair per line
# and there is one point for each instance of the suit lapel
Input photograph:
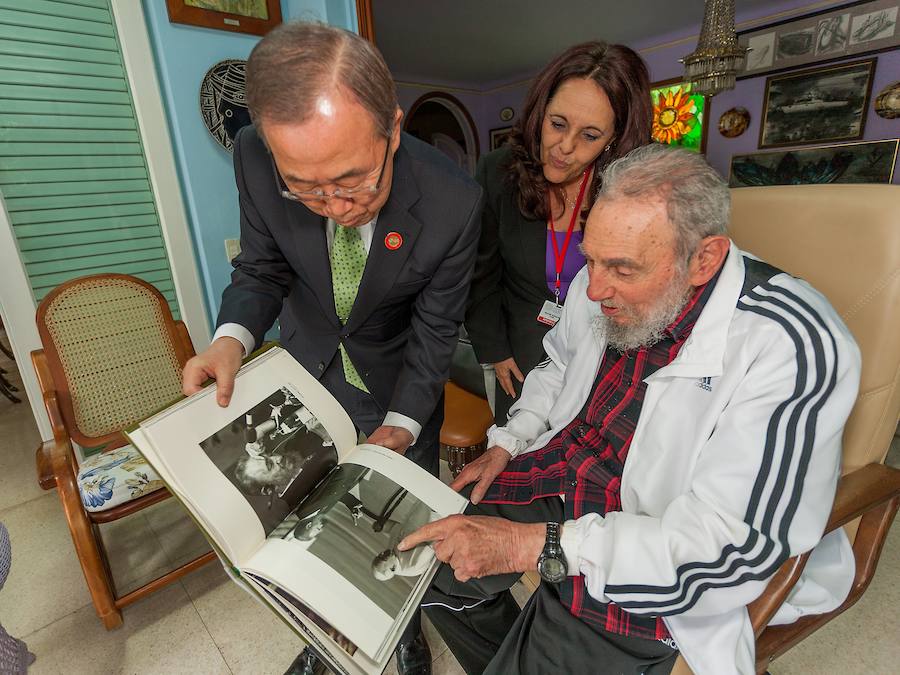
x,y
383,264
311,247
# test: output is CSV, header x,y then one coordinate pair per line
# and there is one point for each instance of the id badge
x,y
550,313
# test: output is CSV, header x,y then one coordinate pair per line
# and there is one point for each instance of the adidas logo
x,y
705,383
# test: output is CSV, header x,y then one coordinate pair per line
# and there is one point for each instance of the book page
x,y
338,551
245,467
320,639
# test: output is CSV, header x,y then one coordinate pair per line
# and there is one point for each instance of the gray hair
x,y
698,201
297,62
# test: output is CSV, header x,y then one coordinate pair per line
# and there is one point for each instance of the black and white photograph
x,y
499,136
873,26
762,51
274,454
353,523
797,43
832,34
865,162
825,104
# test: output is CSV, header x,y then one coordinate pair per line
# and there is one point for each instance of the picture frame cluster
x,y
824,104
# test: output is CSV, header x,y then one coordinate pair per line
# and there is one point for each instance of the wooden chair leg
x,y
86,547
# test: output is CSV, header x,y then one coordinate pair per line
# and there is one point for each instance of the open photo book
x,y
299,512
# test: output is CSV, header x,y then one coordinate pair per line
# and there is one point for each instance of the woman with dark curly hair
x,y
586,108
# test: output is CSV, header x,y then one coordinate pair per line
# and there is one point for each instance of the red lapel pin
x,y
393,241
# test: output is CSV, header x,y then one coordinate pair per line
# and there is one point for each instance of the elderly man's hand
x,y
397,439
483,470
479,546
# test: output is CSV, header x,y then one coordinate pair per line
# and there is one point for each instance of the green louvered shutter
x,y
72,168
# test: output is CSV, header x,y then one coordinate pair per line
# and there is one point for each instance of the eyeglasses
x,y
339,193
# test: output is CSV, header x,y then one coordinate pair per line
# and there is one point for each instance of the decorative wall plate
x,y
734,122
887,104
506,114
223,102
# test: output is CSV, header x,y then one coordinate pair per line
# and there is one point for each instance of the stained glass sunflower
x,y
677,117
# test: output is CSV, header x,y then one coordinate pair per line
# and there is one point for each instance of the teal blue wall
x,y
183,55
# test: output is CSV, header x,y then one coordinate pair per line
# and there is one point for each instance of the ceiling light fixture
x,y
712,67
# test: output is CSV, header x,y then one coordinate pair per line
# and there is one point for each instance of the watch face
x,y
553,570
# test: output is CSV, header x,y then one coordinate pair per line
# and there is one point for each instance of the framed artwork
x,y
854,29
241,16
811,106
499,136
863,162
679,117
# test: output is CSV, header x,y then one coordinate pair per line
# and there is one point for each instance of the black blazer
x,y
510,283
404,324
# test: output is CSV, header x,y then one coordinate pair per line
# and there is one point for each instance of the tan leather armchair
x,y
845,241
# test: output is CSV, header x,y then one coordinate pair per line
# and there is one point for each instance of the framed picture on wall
x,y
854,29
863,162
499,136
811,106
679,116
241,16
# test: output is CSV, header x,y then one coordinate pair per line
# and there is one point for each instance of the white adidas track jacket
x,y
733,466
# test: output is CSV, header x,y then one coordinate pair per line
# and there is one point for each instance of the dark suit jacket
x,y
404,324
510,283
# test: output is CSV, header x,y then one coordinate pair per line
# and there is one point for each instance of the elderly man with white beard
x,y
680,441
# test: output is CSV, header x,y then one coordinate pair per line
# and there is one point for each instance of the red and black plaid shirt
x,y
585,461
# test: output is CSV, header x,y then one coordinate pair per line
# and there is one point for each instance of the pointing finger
x,y
428,532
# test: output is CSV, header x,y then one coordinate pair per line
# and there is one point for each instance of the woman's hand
x,y
505,370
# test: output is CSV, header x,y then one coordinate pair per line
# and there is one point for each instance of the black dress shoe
x,y
306,663
414,657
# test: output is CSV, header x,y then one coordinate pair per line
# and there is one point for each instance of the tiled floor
x,y
206,624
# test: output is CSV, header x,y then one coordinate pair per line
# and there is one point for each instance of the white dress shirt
x,y
245,337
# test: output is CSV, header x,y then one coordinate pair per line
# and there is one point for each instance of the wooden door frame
x,y
365,20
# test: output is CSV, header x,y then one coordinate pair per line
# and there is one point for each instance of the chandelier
x,y
712,67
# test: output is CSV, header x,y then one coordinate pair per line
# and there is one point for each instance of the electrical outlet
x,y
232,248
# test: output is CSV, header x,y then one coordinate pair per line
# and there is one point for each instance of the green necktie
x,y
348,260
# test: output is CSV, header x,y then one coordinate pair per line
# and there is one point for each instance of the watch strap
x,y
552,535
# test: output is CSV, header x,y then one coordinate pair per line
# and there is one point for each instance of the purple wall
x,y
409,93
662,53
749,93
483,105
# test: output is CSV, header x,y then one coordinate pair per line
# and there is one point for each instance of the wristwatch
x,y
551,562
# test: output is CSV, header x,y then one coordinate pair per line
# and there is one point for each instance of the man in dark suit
x,y
358,237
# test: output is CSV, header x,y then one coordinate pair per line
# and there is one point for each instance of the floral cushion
x,y
108,479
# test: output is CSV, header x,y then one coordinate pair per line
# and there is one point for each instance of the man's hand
x,y
220,361
397,439
483,470
505,370
479,546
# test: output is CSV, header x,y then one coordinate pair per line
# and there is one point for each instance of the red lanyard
x,y
559,257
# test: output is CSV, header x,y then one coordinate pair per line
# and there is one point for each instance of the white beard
x,y
650,328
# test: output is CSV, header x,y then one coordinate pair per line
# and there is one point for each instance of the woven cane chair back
x,y
114,353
